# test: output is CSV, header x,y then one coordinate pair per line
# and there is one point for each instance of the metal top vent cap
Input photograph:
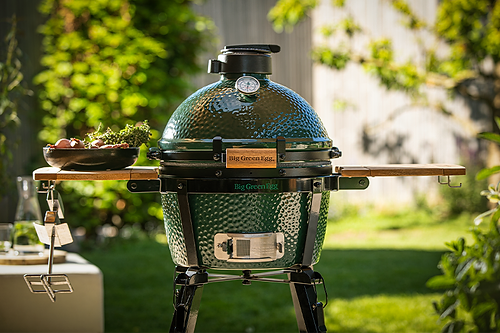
x,y
244,58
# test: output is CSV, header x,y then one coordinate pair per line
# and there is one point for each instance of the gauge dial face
x,y
247,85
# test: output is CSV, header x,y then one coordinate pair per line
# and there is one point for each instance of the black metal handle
x,y
154,153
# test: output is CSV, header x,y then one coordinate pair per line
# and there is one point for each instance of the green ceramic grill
x,y
258,155
245,181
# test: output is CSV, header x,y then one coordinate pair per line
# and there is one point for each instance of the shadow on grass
x,y
352,273
138,288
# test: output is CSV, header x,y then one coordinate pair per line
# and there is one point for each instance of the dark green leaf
x,y
440,282
435,305
481,313
494,221
490,136
454,326
486,173
465,301
497,121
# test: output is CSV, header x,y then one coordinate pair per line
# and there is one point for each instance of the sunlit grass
x,y
382,314
398,230
375,267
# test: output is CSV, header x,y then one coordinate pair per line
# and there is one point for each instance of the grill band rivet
x,y
218,173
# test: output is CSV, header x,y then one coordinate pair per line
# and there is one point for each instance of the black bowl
x,y
80,159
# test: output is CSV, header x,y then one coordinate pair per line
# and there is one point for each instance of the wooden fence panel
x,y
245,22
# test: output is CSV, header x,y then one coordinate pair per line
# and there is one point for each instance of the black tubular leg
x,y
309,312
187,301
186,309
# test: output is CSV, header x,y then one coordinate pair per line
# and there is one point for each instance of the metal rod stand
x,y
51,250
309,312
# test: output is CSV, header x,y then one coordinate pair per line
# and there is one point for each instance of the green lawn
x,y
375,268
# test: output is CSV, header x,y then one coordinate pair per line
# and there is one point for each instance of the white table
x,y
80,311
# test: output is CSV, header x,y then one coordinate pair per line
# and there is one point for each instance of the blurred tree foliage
x,y
469,31
11,89
115,62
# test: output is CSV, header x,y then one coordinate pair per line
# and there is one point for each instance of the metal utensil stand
x,y
55,234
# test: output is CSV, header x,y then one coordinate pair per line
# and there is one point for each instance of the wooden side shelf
x,y
396,170
146,172
139,172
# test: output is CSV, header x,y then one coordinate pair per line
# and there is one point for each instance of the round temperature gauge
x,y
247,85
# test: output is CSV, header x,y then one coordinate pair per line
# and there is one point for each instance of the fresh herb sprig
x,y
135,136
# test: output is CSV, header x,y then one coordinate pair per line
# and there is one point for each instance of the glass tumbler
x,y
5,238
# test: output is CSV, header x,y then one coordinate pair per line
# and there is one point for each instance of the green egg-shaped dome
x,y
221,110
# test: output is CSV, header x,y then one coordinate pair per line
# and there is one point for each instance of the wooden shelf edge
x,y
401,170
135,172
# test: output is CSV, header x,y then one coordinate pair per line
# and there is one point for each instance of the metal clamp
x,y
281,148
217,149
47,186
55,202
